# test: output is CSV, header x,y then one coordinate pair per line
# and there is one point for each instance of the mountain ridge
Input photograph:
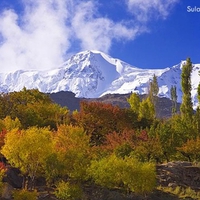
x,y
163,106
92,74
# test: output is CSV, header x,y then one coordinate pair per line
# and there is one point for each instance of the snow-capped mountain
x,y
91,74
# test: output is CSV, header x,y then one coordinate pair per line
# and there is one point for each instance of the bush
x,y
107,171
66,191
25,195
128,173
139,177
123,150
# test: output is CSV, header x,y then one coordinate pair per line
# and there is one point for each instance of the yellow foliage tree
x,y
28,150
73,148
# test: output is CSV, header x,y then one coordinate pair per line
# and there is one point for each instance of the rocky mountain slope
x,y
68,99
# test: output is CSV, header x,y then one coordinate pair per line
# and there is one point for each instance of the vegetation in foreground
x,y
101,145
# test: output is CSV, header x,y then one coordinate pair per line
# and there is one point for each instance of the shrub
x,y
127,173
107,171
139,177
123,150
67,191
25,195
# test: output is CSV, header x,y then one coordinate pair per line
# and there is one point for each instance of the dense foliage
x,y
101,144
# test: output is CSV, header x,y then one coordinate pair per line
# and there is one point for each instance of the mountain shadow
x,y
68,99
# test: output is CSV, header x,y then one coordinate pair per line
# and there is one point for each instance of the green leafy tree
x,y
174,99
32,108
187,105
196,120
198,93
169,137
134,102
139,177
148,150
25,195
127,173
146,109
67,191
197,114
153,90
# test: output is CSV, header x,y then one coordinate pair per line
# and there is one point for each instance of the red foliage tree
x,y
99,119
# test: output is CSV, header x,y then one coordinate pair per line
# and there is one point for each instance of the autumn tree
x,y
148,150
191,149
10,124
187,105
28,150
32,108
99,119
119,143
72,146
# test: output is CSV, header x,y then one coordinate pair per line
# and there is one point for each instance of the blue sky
x,y
42,34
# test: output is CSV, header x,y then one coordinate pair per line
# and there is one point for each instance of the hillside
x,y
68,99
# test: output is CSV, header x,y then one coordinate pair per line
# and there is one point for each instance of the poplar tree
x,y
174,99
198,94
153,92
187,105
197,114
134,101
154,89
147,109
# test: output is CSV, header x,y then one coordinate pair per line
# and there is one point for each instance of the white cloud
x,y
39,42
40,36
98,32
145,10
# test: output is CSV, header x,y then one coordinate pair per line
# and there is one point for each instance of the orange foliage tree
x,y
99,119
120,143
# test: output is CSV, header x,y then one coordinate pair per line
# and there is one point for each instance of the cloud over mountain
x,y
42,34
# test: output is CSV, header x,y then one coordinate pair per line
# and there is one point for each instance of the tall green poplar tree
x,y
198,92
134,102
153,89
174,99
187,105
197,114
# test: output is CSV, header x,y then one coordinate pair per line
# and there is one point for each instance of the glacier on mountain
x,y
92,74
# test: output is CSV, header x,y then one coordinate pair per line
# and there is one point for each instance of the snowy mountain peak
x,y
93,73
